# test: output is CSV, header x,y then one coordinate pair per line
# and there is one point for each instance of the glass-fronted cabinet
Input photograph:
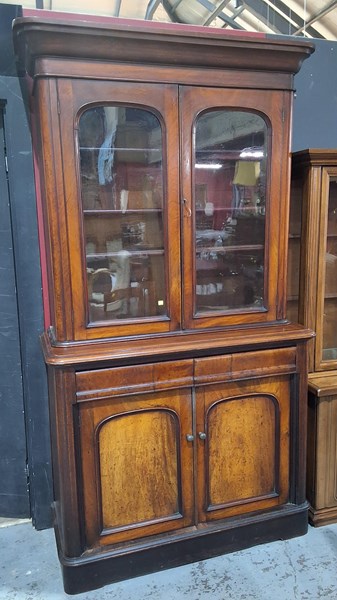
x,y
312,275
312,260
177,387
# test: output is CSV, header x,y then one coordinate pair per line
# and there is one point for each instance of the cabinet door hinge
x,y
283,115
58,107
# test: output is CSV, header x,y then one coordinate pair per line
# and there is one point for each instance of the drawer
x,y
245,365
123,381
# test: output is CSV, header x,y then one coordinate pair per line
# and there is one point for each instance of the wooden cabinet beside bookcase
x,y
177,387
314,219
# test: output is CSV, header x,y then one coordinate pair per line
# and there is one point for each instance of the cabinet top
x,y
156,43
315,157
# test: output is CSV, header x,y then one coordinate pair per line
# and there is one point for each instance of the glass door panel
x,y
121,169
230,157
329,350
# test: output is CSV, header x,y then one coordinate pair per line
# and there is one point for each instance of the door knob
x,y
202,435
190,437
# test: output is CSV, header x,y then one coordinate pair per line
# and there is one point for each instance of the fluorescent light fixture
x,y
208,165
251,154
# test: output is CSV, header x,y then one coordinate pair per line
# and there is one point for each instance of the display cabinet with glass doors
x,y
177,386
313,277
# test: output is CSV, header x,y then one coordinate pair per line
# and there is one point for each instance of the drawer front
x,y
245,365
123,381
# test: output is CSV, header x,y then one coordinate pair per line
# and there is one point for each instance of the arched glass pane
x,y
229,199
122,199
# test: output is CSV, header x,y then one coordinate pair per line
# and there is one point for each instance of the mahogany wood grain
x,y
137,466
243,464
155,43
204,343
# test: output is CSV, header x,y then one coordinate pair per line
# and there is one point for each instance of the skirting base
x,y
323,516
94,570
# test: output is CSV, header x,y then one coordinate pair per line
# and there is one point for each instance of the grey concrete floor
x,y
304,568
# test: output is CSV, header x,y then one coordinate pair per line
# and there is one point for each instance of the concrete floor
x,y
300,569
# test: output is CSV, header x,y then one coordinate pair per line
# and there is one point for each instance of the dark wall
x,y
8,12
14,500
26,262
23,384
315,105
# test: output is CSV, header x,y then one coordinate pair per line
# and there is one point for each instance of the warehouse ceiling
x,y
308,18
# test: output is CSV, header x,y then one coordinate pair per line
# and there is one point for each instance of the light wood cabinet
x,y
313,295
177,386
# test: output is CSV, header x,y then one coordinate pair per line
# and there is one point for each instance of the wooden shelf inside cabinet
x,y
119,212
160,360
225,249
132,252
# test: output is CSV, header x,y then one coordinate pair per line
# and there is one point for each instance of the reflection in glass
x,y
122,201
229,200
330,291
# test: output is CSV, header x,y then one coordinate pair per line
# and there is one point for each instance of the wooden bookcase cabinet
x,y
178,396
312,289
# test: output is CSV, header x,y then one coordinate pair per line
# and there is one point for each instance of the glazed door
x,y
136,452
243,447
326,317
233,143
121,210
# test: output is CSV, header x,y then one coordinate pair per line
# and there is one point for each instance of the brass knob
x,y
202,435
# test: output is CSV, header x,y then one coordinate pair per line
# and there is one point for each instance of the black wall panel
x,y
26,260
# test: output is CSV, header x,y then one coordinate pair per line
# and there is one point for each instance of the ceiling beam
x,y
316,16
151,9
279,21
206,4
118,8
216,12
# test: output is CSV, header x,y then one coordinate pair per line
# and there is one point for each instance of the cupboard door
x,y
243,447
235,207
121,206
137,465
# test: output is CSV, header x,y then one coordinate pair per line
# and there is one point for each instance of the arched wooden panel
x,y
139,451
244,454
243,437
133,454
